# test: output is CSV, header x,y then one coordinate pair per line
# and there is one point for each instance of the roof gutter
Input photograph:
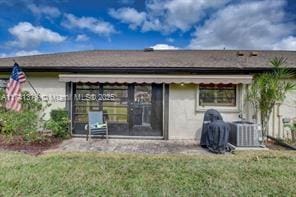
x,y
136,70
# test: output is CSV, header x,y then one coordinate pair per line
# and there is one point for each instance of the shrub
x,y
14,123
2,100
58,123
23,123
31,103
58,114
34,137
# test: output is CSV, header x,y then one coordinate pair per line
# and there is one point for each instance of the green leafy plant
x,y
2,104
270,88
15,123
34,137
27,121
31,102
2,100
58,123
58,114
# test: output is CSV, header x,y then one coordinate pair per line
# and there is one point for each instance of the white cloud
x,y
26,53
29,36
256,24
164,47
81,38
167,16
288,43
44,10
20,53
171,15
248,25
129,15
92,24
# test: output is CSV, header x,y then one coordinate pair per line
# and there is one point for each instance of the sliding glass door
x,y
146,110
116,109
131,110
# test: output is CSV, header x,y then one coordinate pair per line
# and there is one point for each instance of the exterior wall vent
x,y
148,49
239,53
253,54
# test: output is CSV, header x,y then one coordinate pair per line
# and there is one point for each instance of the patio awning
x,y
155,78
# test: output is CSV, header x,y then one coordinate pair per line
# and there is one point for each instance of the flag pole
x,y
33,87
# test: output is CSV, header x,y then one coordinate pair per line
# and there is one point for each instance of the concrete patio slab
x,y
131,146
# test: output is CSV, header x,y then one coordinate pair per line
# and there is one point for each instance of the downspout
x,y
273,120
71,107
242,99
163,113
279,119
247,104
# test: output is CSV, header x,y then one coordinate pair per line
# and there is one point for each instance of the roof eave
x,y
203,70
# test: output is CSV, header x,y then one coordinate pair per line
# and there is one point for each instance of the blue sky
x,y
30,27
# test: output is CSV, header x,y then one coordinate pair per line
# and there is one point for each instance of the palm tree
x,y
269,88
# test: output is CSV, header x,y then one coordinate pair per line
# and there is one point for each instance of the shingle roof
x,y
156,59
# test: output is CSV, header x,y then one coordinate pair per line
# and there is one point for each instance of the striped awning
x,y
158,79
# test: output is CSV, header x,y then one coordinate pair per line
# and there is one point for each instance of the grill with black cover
x,y
215,132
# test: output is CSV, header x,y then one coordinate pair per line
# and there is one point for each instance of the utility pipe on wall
x,y
279,119
273,120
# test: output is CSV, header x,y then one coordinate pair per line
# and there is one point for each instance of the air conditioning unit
x,y
245,134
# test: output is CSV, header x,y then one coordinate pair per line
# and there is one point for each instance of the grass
x,y
92,174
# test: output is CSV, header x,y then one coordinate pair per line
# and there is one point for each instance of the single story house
x,y
151,94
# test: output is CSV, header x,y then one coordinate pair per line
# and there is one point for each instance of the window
x,y
217,95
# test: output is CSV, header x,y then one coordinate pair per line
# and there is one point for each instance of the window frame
x,y
221,108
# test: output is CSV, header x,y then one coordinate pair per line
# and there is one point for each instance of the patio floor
x,y
131,146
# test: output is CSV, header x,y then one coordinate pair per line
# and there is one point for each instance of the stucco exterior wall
x,y
285,110
185,121
48,85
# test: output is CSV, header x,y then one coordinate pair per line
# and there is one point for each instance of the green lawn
x,y
83,174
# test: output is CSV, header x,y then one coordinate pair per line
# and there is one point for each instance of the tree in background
x,y
269,88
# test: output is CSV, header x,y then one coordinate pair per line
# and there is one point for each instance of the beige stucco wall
x,y
185,121
47,84
286,110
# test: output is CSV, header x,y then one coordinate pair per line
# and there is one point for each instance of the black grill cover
x,y
211,115
217,136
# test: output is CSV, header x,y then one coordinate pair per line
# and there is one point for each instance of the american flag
x,y
13,89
